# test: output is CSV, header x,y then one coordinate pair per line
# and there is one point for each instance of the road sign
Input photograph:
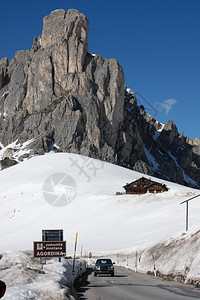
x,y
49,249
52,235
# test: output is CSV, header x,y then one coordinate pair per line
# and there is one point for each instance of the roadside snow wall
x,y
177,258
26,278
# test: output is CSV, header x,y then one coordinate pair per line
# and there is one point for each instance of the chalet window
x,y
134,185
142,180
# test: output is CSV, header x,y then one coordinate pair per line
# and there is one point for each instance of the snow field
x,y
103,220
110,224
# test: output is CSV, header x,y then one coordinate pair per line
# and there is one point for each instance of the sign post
x,y
136,261
154,264
81,258
73,267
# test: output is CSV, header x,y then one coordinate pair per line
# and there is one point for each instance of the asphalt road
x,y
130,285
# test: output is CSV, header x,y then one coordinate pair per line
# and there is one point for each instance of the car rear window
x,y
103,261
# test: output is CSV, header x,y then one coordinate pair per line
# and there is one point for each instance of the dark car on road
x,y
104,266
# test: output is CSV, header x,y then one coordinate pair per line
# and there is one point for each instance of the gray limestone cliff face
x,y
59,94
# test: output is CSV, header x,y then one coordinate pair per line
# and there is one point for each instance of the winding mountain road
x,y
130,285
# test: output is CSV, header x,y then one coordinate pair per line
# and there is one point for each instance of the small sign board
x,y
52,235
49,249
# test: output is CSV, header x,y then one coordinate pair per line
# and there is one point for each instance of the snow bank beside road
x,y
27,279
176,258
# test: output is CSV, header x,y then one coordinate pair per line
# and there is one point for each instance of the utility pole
x,y
187,211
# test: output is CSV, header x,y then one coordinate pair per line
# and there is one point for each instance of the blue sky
x,y
157,43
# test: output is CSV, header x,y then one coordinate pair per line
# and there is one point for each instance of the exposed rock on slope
x,y
58,93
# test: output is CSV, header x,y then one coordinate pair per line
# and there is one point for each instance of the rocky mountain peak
x,y
59,96
169,134
68,32
196,141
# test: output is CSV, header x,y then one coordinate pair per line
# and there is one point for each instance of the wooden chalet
x,y
143,186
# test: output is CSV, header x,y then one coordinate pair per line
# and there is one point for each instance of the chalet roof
x,y
151,182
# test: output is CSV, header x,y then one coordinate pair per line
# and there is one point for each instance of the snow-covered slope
x,y
27,279
30,195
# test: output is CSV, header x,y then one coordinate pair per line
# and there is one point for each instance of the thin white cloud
x,y
167,105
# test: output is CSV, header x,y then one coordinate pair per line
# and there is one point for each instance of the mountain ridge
x,y
59,94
